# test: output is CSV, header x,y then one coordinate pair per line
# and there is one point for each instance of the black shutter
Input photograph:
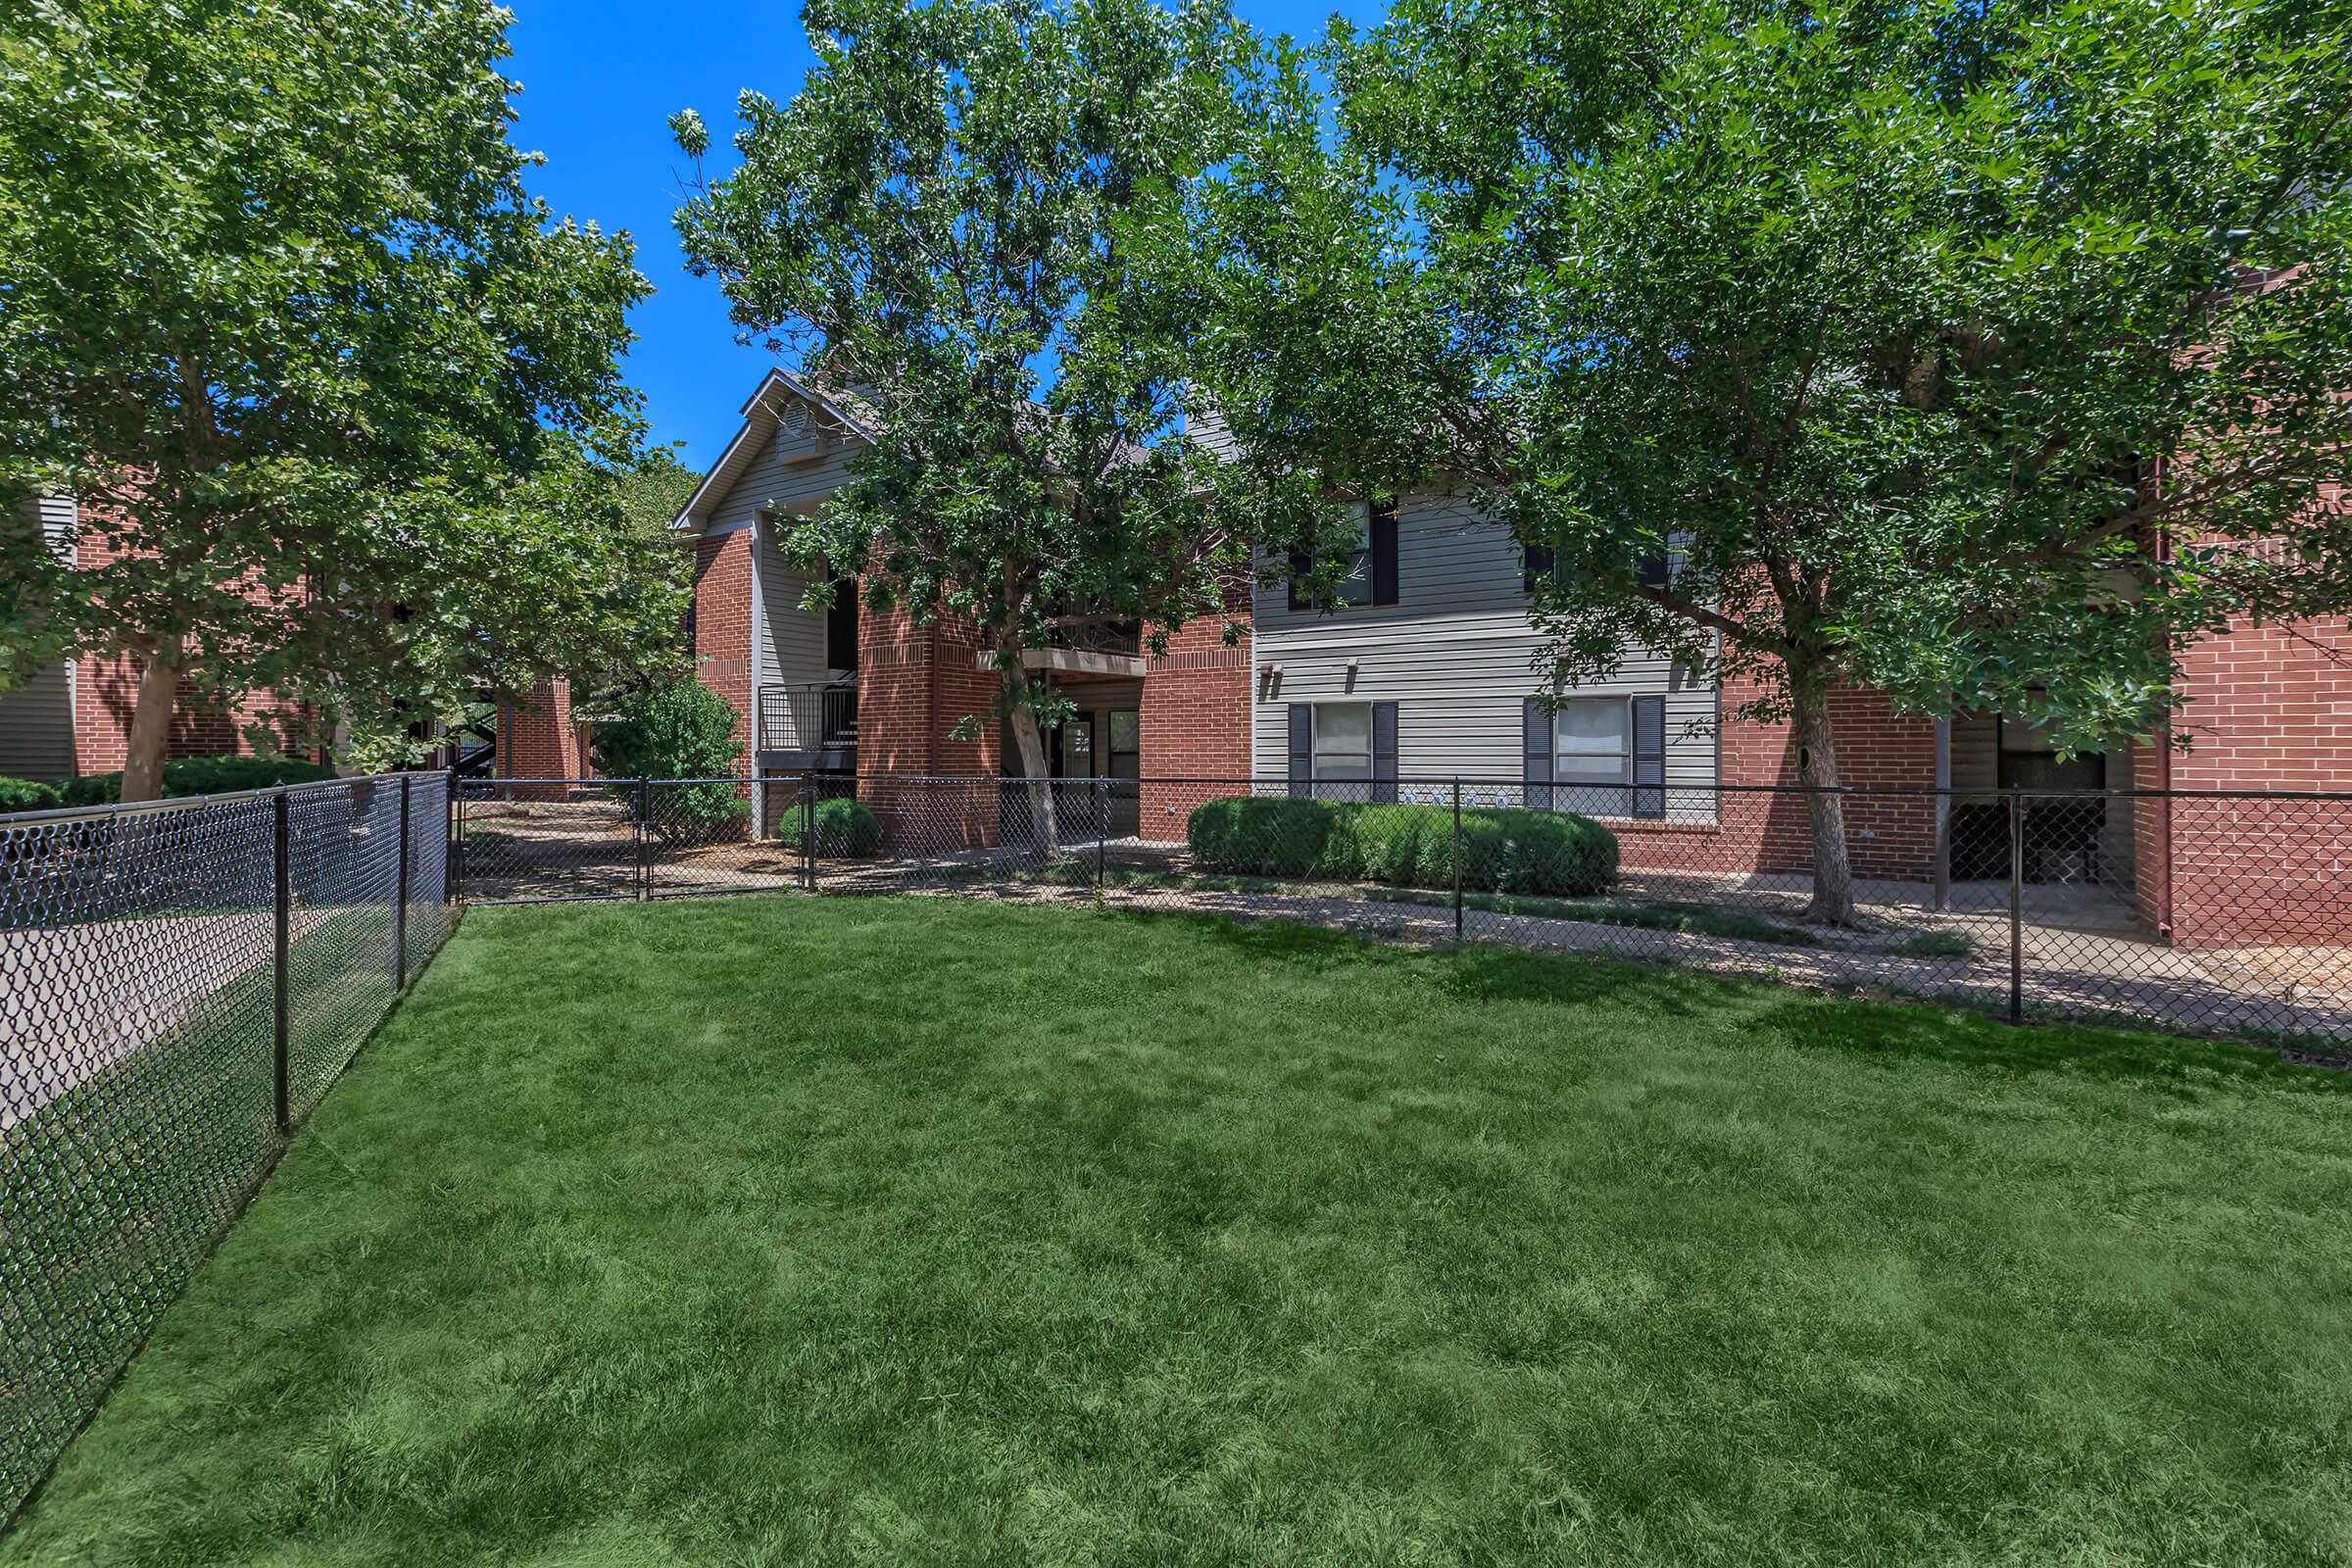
x,y
1384,752
1303,746
1653,571
1649,757
1537,747
1298,566
1535,564
1384,554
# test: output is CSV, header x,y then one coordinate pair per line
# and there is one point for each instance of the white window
x,y
1343,740
1358,589
1593,741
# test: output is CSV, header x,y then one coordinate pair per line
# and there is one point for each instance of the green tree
x,y
933,224
1982,353
678,730
340,401
654,490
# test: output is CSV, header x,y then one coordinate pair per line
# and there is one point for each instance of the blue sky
x,y
599,79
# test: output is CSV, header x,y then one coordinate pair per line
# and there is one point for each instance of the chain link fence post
x,y
1102,827
807,794
1458,859
2016,907
281,955
400,896
457,841
644,814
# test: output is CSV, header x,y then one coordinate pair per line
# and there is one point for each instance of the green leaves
x,y
1972,351
280,310
952,223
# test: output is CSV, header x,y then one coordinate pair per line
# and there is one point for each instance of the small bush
x,y
844,828
1391,842
684,731
199,775
1273,835
1533,852
24,795
1505,851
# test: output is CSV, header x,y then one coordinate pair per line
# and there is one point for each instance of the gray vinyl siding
x,y
787,643
36,720
791,640
1457,656
768,481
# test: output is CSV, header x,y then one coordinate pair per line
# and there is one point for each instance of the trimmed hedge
x,y
24,795
1504,851
844,827
199,775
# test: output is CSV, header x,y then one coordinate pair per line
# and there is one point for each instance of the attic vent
x,y
799,438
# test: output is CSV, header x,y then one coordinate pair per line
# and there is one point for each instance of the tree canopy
x,y
342,401
1984,354
936,226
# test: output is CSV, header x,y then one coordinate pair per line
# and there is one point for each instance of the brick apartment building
x,y
73,717
1424,675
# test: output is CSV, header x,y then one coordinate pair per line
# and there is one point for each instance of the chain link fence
x,y
180,985
2216,914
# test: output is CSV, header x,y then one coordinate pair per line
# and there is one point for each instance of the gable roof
x,y
760,417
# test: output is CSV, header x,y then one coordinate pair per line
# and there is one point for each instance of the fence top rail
x,y
187,803
1425,781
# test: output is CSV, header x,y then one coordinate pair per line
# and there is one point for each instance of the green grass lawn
x,y
920,1231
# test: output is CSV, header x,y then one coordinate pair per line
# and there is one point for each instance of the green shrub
x,y
1513,851
1507,851
1391,841
24,795
199,775
1273,835
683,730
844,828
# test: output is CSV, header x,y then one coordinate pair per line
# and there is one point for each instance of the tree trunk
x,y
1029,740
1817,767
151,723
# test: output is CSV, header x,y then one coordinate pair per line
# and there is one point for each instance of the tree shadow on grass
x,y
1484,973
1923,1032
1278,940
1514,974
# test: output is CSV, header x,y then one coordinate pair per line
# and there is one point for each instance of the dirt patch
x,y
2312,974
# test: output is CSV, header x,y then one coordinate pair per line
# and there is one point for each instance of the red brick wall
x,y
538,739
915,685
722,626
1195,721
106,691
2268,709
1760,832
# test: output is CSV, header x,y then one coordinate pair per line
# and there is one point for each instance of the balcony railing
x,y
1124,640
810,717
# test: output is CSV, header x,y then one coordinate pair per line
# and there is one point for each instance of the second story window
x,y
1539,564
1371,575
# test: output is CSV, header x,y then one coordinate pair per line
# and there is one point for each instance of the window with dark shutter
x,y
1303,746
1649,757
1537,564
1654,571
1537,757
1371,575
